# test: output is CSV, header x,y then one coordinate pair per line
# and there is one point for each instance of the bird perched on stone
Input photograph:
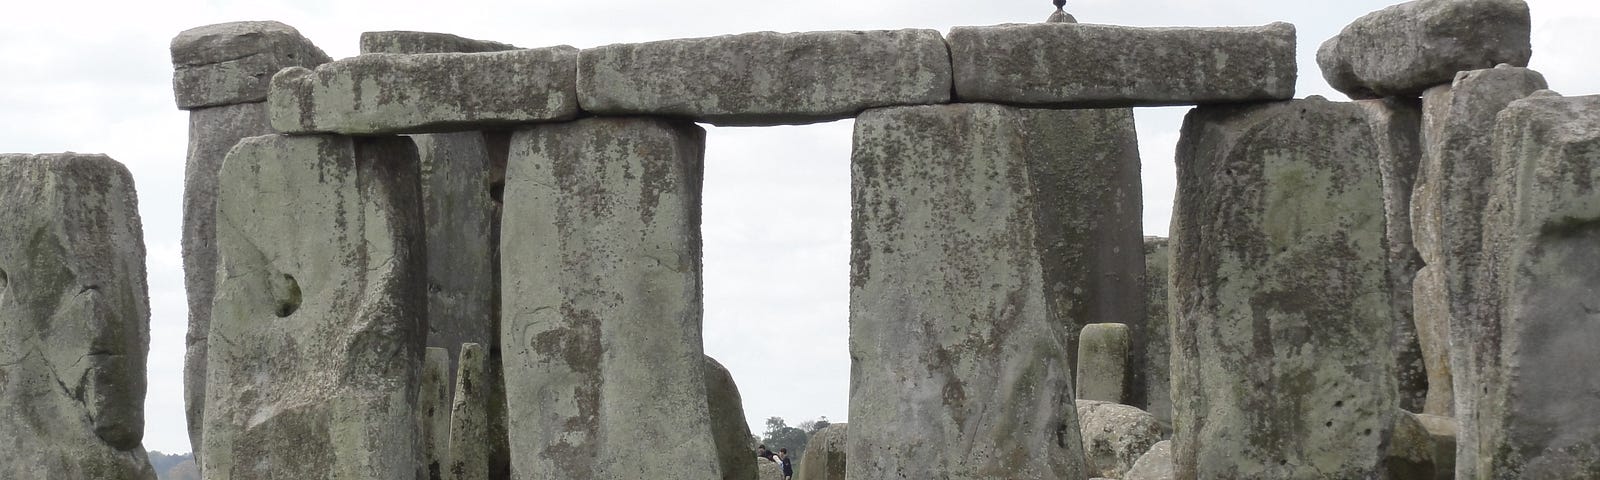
x,y
1061,16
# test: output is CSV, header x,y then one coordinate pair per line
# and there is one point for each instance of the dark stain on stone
x,y
1568,227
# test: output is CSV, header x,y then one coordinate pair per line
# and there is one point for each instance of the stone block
x,y
951,333
1443,431
319,271
1158,341
1280,298
470,445
75,319
1433,336
1411,451
1404,49
1537,285
601,295
766,78
728,423
825,454
233,63
398,41
433,413
428,93
1115,436
1102,362
1078,65
1398,124
1155,464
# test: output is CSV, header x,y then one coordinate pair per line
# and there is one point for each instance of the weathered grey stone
x,y
1410,453
319,271
1115,436
768,470
1155,464
433,413
398,41
470,444
825,454
1102,362
1084,168
1447,211
1279,294
1404,49
1443,431
212,132
601,265
951,333
1535,336
75,319
1158,343
767,78
232,63
428,93
1398,123
728,423
1076,64
1433,336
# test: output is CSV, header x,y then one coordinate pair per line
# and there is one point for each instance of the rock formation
x,y
825,456
1413,46
433,413
1155,464
1398,124
470,442
1115,436
1158,349
1103,362
728,424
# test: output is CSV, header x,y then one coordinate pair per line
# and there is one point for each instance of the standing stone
x,y
767,78
1539,284
1102,362
769,470
1084,168
602,303
1443,431
1155,464
1398,124
321,272
1402,50
1410,454
433,413
1088,65
825,454
728,423
951,333
1281,312
1447,212
463,176
74,320
469,420
1158,342
1115,436
221,74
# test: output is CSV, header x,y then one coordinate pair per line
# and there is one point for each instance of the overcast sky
x,y
94,76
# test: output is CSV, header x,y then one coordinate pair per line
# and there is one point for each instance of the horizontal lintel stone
x,y
400,41
1407,48
767,78
1086,65
427,93
232,63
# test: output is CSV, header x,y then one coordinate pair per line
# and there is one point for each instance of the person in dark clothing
x,y
783,461
761,451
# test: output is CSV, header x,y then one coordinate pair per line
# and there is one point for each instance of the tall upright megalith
x,y
1281,315
1398,126
221,75
74,319
470,446
433,413
1539,284
320,271
958,364
728,423
600,262
1158,338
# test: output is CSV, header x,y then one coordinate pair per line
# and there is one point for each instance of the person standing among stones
x,y
761,451
783,461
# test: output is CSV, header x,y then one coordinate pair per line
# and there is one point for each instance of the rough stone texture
x,y
1115,436
602,305
1538,284
1410,453
1075,64
1447,211
728,425
1398,123
74,319
433,413
469,417
1155,464
1279,294
951,333
232,63
439,92
1443,431
1084,168
212,132
1433,336
320,272
1402,50
398,41
767,78
1102,362
825,454
768,470
1158,342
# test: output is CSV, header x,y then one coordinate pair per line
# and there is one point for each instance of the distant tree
x,y
814,426
780,435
